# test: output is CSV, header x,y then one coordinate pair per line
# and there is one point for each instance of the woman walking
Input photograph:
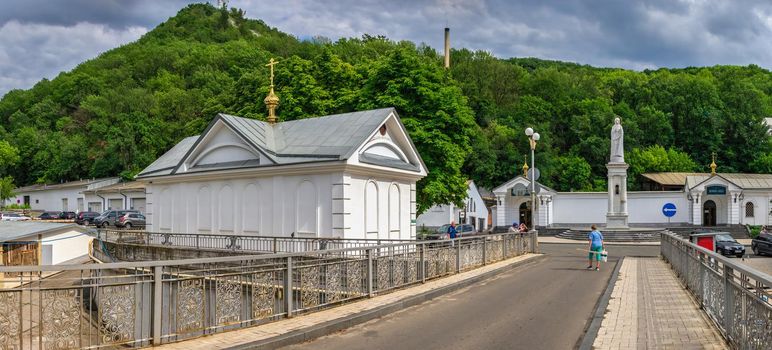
x,y
596,247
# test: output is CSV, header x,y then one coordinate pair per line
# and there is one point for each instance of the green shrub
x,y
17,206
753,231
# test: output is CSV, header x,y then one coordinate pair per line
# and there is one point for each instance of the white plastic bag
x,y
604,256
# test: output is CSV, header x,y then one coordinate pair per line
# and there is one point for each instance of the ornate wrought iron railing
x,y
734,296
136,304
259,244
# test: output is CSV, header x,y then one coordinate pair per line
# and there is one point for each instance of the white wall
x,y
389,223
761,208
106,200
265,206
437,216
580,207
64,246
51,200
281,205
646,207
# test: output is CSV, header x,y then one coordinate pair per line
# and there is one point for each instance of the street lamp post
x,y
532,138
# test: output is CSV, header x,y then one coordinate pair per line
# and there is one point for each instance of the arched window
x,y
394,212
371,208
307,208
749,209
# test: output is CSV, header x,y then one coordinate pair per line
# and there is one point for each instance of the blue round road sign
x,y
669,210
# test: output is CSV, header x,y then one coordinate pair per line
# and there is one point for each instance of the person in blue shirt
x,y
596,247
452,232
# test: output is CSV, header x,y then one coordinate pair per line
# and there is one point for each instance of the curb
x,y
600,310
332,326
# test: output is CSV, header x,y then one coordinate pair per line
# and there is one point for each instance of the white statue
x,y
617,142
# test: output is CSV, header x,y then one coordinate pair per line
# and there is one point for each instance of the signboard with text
x,y
716,190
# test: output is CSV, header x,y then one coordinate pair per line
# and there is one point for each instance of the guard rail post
x,y
157,303
369,273
288,295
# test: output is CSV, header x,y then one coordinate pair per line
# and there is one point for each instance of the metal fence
x,y
735,297
135,304
260,244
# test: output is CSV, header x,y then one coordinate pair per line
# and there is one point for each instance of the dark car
x,y
67,215
108,217
762,244
131,220
49,215
86,217
726,245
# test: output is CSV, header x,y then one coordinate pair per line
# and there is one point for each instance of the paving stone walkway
x,y
650,309
242,337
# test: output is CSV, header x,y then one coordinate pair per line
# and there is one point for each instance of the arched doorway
x,y
709,213
525,214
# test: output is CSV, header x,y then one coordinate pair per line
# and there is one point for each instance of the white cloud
x,y
32,51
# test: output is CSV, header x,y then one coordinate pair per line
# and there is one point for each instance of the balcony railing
x,y
136,304
734,296
246,244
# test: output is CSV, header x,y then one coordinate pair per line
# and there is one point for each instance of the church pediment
x,y
715,182
389,146
518,184
221,147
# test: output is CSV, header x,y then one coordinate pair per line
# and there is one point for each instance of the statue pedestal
x,y
616,220
616,217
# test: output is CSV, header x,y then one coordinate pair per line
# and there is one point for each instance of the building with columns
x,y
700,199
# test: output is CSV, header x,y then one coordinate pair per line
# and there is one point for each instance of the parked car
x,y
131,220
108,217
465,230
86,217
726,245
13,217
49,215
67,215
762,244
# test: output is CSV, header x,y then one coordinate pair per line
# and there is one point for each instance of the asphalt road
x,y
544,305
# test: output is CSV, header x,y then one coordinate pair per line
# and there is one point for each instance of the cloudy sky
x,y
40,38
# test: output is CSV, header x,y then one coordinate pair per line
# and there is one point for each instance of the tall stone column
x,y
616,217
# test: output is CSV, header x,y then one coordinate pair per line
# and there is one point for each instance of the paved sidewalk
x,y
650,309
346,315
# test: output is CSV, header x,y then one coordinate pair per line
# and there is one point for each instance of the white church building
x,y
349,175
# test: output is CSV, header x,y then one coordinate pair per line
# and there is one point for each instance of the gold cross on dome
x,y
271,63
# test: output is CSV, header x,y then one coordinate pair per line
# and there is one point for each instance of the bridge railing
x,y
240,243
736,297
142,303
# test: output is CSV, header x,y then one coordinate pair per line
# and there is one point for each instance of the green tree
x,y
435,114
6,188
571,173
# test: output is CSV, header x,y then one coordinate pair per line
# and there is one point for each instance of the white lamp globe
x,y
536,136
528,132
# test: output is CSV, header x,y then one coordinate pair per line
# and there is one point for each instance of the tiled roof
x,y
672,179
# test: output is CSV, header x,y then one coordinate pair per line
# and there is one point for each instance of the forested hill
x,y
116,113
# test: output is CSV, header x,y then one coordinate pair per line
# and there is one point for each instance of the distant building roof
x,y
64,185
745,181
332,137
671,179
131,186
14,230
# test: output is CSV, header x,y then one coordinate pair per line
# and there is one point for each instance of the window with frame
x,y
749,209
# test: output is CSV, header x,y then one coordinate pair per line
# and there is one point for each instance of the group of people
x,y
522,228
